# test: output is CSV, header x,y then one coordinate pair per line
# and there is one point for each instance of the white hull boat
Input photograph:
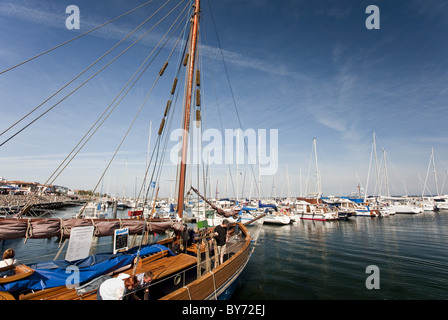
x,y
320,216
407,209
92,211
277,219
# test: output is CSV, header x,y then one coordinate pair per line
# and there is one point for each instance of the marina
x,y
160,150
324,260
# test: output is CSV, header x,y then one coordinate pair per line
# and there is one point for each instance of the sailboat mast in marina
x,y
312,207
187,109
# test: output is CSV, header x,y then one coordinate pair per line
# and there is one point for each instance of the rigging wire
x,y
308,179
77,37
99,125
170,120
141,107
119,101
231,91
168,127
91,77
205,166
158,141
201,124
220,120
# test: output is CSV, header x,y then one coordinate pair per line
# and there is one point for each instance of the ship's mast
x,y
318,179
186,118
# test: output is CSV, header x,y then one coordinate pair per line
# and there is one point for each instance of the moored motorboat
x,y
441,202
366,211
92,210
405,208
320,215
274,217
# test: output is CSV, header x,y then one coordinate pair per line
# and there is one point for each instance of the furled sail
x,y
225,213
48,228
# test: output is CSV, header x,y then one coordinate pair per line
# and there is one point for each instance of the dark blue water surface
x,y
317,260
328,260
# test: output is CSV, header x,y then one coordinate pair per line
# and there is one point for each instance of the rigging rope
x,y
91,77
77,37
214,284
136,116
119,101
156,149
186,287
158,163
234,103
135,73
220,120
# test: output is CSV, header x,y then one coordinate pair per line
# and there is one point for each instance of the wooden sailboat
x,y
184,266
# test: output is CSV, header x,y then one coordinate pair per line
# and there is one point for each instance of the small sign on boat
x,y
121,240
79,244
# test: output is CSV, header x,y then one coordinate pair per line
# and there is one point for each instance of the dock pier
x,y
12,204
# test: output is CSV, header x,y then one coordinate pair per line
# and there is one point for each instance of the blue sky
x,y
310,69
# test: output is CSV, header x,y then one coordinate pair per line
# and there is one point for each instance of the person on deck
x,y
8,258
115,288
143,282
220,233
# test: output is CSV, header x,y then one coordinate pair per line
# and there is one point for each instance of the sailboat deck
x,y
160,268
167,266
164,267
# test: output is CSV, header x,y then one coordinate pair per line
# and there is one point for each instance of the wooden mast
x,y
186,124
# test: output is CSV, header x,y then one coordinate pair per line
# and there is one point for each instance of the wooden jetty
x,y
10,205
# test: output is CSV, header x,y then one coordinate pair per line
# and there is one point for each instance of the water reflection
x,y
328,260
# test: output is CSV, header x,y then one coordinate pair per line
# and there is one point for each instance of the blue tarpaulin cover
x,y
355,200
260,205
60,273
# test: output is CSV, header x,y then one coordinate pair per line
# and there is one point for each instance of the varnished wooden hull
x,y
20,271
215,284
220,278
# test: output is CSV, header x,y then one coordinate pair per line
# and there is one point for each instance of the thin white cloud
x,y
60,156
46,15
253,63
52,15
430,9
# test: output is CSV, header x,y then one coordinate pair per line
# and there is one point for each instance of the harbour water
x,y
317,260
